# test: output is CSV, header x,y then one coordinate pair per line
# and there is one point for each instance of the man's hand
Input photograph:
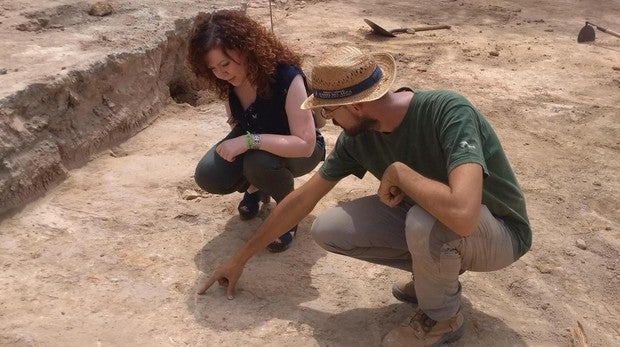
x,y
226,275
389,191
231,148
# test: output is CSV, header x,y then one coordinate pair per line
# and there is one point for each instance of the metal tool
x,y
587,34
377,29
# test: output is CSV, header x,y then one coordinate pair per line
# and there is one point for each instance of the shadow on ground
x,y
279,286
271,286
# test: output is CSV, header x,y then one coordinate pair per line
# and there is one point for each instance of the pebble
x,y
101,9
581,244
190,194
570,252
494,53
3,71
544,269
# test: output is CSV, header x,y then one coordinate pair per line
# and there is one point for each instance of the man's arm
x,y
288,213
456,205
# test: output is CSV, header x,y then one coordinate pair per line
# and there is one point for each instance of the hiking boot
x,y
422,331
404,290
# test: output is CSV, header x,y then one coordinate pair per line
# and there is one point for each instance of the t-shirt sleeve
x,y
341,161
460,138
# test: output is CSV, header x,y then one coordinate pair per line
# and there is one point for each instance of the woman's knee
x,y
203,179
213,180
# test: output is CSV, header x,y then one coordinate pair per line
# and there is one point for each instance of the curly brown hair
x,y
234,30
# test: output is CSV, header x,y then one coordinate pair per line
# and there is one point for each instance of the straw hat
x,y
349,76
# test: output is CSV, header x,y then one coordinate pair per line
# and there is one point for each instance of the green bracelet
x,y
248,139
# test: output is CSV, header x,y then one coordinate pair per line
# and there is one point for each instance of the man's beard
x,y
364,125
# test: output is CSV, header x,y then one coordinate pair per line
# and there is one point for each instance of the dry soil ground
x,y
112,255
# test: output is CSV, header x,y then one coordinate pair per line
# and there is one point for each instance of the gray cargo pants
x,y
407,237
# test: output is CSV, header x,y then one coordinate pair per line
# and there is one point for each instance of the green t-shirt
x,y
440,131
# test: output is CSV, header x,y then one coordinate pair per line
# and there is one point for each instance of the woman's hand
x,y
231,148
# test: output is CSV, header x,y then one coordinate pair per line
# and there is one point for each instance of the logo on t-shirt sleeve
x,y
464,144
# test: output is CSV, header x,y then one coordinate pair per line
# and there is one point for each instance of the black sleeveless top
x,y
268,115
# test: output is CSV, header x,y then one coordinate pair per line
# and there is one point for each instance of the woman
x,y
272,139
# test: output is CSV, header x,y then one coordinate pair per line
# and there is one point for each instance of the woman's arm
x,y
302,140
299,144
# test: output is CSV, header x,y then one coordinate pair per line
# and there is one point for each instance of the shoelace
x,y
421,322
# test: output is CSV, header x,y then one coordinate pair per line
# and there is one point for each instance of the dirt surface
x,y
112,255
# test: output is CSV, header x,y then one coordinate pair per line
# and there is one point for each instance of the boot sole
x,y
449,338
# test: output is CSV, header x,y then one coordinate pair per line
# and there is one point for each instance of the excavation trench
x,y
48,129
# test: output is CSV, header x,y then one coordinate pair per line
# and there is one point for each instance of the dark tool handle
x,y
432,27
610,32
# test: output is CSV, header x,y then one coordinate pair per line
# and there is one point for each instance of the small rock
x,y
3,71
116,152
544,269
581,244
189,194
101,9
494,53
616,68
598,184
28,26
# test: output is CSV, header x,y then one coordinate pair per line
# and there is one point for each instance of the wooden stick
x,y
271,16
579,336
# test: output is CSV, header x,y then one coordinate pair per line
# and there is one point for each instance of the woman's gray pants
x,y
272,174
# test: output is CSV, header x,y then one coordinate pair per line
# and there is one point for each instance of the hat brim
x,y
388,67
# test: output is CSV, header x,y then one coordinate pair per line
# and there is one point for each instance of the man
x,y
448,200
